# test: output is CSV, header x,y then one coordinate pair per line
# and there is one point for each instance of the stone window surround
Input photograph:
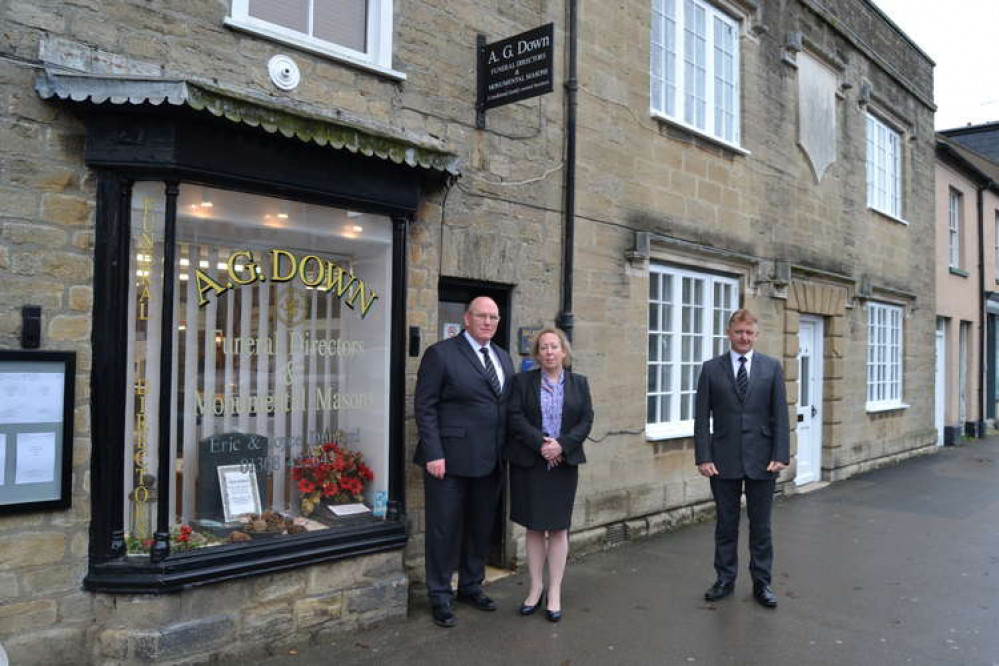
x,y
676,428
888,404
377,59
657,110
880,121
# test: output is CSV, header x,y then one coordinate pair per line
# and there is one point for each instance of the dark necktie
x,y
742,378
490,370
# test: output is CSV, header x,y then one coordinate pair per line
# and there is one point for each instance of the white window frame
x,y
885,337
955,206
377,58
669,68
884,167
711,321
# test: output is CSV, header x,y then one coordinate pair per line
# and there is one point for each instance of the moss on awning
x,y
323,130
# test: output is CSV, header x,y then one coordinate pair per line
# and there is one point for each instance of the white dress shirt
x,y
734,355
476,346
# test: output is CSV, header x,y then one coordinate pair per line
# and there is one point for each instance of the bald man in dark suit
x,y
742,392
461,397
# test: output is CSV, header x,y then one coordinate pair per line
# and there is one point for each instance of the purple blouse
x,y
552,395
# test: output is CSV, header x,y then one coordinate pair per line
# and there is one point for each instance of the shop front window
x,y
278,354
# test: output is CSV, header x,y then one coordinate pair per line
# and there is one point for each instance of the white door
x,y
940,389
809,400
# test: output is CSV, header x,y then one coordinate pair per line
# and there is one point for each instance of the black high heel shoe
x,y
526,610
553,616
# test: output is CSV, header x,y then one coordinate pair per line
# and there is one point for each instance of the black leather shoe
x,y
718,591
444,616
765,596
530,610
479,600
553,616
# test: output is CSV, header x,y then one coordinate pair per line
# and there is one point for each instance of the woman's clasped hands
x,y
551,451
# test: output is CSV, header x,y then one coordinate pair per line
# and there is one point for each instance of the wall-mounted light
x,y
282,216
206,201
357,228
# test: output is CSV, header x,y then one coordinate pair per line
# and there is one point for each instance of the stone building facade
x,y
183,205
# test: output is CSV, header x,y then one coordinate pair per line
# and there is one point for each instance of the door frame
x,y
816,381
463,290
940,376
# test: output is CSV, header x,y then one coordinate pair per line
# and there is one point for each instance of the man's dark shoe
x,y
718,591
765,596
444,616
479,600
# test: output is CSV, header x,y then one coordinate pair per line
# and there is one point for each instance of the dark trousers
x,y
759,502
460,511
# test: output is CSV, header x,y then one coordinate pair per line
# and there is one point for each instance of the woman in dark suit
x,y
550,414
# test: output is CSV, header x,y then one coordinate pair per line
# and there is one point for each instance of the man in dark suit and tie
x,y
741,397
461,396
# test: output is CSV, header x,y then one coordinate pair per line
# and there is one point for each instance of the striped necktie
x,y
490,370
742,379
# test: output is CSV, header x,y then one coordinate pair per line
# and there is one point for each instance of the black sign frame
x,y
44,495
514,69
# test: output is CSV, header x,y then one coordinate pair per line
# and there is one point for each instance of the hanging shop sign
x,y
244,268
515,68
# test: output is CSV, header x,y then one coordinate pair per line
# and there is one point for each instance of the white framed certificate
x,y
240,494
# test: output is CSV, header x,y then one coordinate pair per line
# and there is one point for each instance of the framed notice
x,y
240,496
36,430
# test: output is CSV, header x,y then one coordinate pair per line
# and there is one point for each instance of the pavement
x,y
897,566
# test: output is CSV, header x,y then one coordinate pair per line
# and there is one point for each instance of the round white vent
x,y
284,72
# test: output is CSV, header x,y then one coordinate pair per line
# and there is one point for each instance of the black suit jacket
x,y
458,414
747,434
523,447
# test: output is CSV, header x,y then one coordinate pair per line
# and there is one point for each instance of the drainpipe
x,y
980,424
565,319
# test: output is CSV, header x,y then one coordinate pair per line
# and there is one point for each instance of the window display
x,y
280,350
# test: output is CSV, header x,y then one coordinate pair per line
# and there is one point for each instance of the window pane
x,y
665,409
293,14
342,22
280,355
884,159
803,381
143,375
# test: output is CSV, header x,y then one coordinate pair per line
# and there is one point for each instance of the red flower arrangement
x,y
332,473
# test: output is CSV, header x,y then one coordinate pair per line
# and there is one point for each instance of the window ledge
x,y
661,433
877,408
701,134
888,215
958,272
221,563
316,48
